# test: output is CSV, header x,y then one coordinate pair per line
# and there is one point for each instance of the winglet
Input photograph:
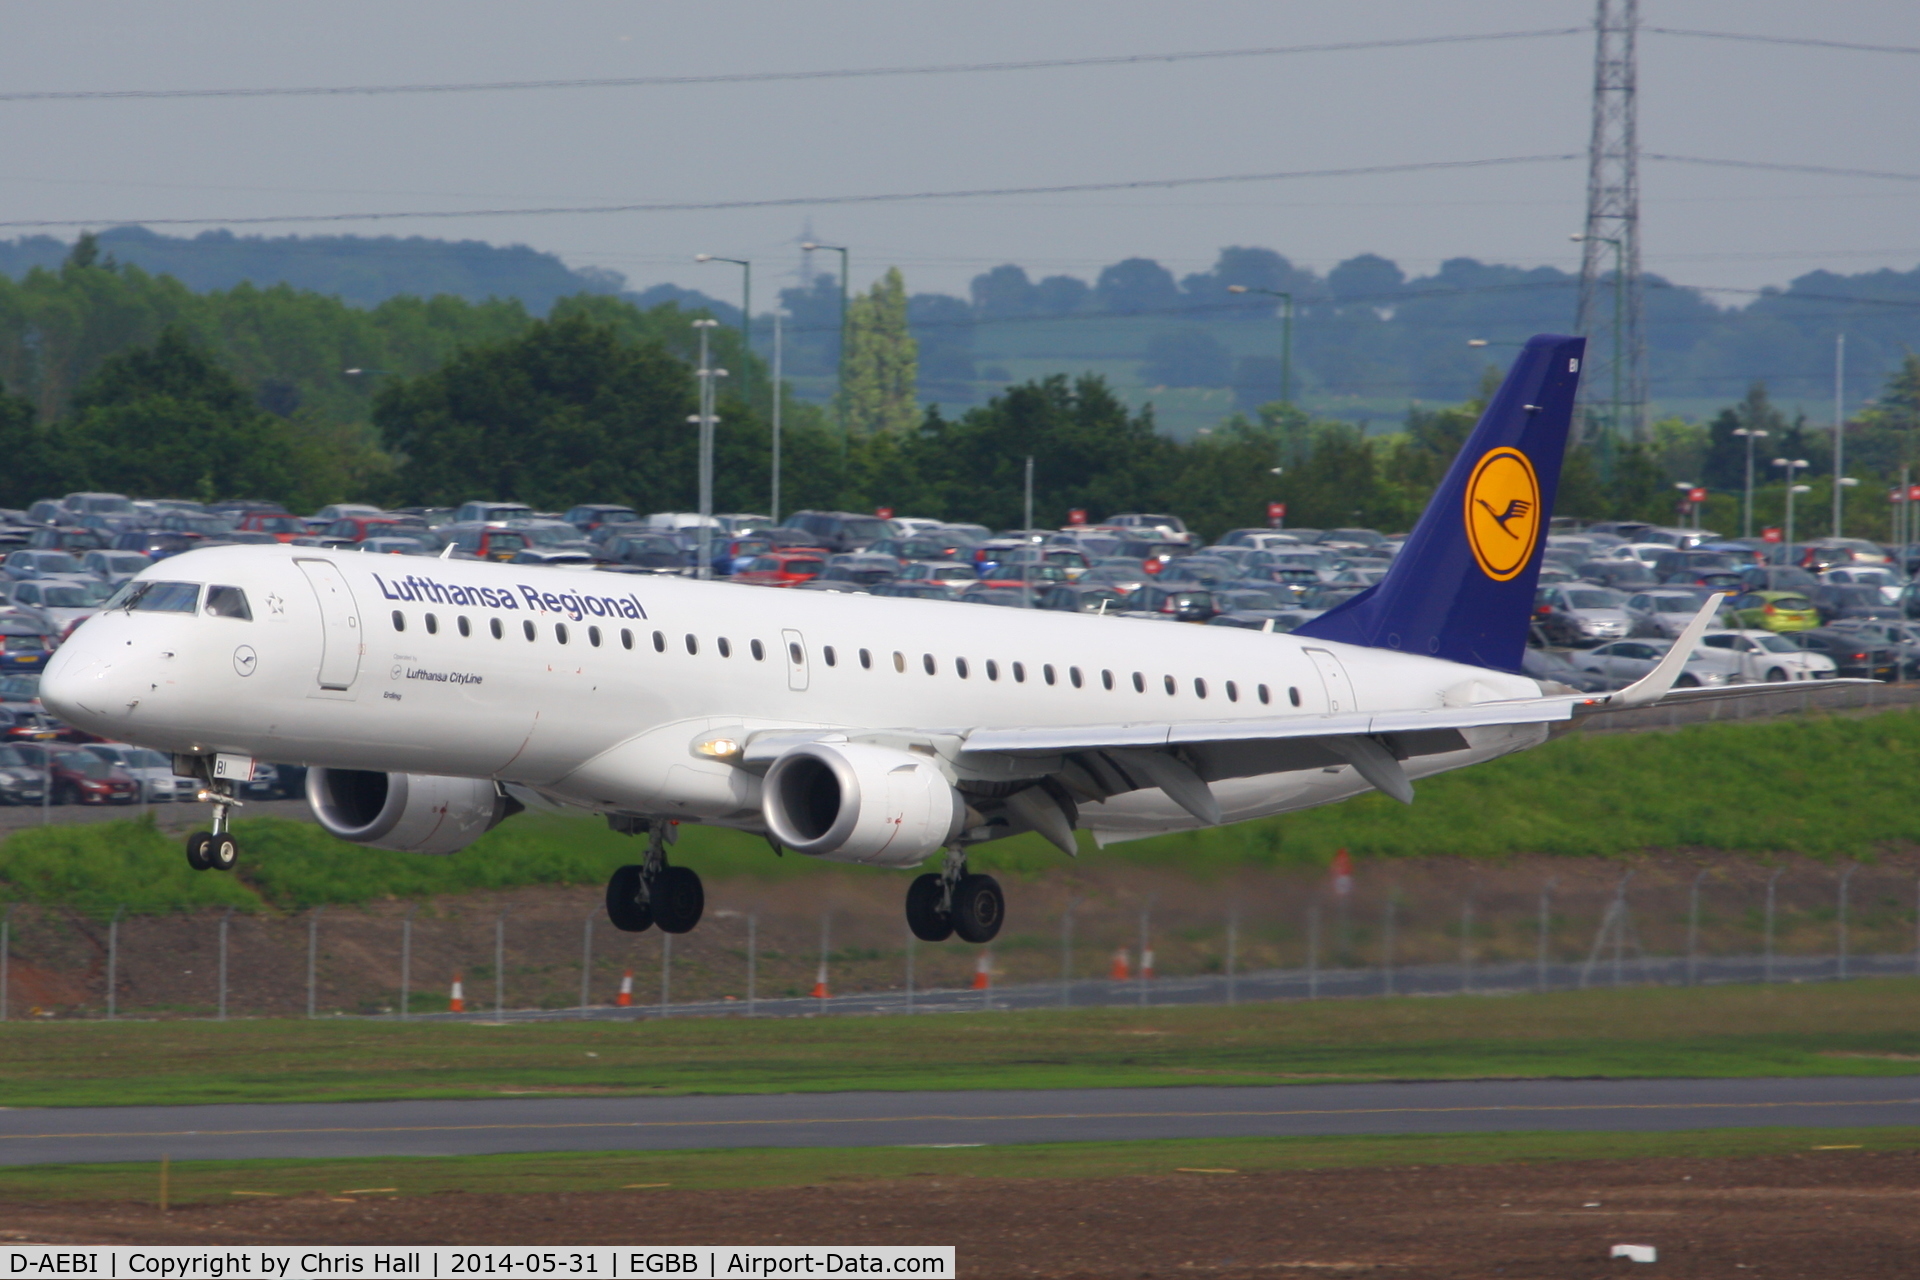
x,y
1657,683
446,552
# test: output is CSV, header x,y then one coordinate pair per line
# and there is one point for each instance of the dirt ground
x,y
1817,1214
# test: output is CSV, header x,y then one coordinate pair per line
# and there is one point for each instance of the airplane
x,y
432,699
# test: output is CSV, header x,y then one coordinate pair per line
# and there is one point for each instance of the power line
x,y
1773,167
1806,42
801,201
763,77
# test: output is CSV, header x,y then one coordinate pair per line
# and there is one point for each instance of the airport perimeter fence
x,y
1439,930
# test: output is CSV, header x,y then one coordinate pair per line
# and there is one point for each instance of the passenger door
x,y
1333,678
339,626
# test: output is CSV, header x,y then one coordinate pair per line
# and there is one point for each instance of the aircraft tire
x,y
223,853
624,908
198,846
979,908
924,917
678,899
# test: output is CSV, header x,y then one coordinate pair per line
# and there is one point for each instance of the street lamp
x,y
1286,337
840,374
1619,309
1746,510
1792,465
1693,508
706,420
746,296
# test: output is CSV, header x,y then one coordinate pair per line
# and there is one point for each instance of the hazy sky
x,y
223,158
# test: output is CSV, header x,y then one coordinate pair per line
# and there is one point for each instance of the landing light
x,y
719,749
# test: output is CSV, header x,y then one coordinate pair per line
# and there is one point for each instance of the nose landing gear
x,y
215,850
653,892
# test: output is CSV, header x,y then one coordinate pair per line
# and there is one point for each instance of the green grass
x,y
229,1181
1751,788
1859,1028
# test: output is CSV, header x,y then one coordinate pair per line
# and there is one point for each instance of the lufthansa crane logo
x,y
1503,513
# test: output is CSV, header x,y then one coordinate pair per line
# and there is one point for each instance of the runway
x,y
983,1117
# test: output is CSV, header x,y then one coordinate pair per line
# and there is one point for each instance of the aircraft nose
x,y
78,682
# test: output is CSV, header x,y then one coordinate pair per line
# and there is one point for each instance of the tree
x,y
1135,286
1003,293
1189,357
882,360
169,419
32,471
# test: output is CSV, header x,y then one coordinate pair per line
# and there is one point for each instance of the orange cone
x,y
625,997
1121,969
457,1003
1146,963
820,983
983,971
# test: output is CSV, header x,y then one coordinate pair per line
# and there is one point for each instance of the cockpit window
x,y
149,596
228,602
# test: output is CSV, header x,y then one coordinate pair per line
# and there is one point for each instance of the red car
x,y
360,528
782,568
81,777
284,528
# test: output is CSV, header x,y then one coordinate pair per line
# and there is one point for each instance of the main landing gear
x,y
215,850
653,892
952,901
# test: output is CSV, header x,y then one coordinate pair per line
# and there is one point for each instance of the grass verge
x,y
231,1181
1856,1028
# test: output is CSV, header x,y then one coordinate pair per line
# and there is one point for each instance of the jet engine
x,y
856,803
410,812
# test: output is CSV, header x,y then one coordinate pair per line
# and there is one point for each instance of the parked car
x,y
157,544
77,776
948,573
1624,661
782,568
487,541
1579,616
1882,578
479,512
283,527
1666,612
914,590
1828,553
1767,657
396,547
589,516
1836,602
1185,604
652,552
1773,611
64,602
840,530
1155,528
1084,597
153,771
73,538
21,565
1549,666
1777,577
113,566
1854,656
860,569
24,643
21,779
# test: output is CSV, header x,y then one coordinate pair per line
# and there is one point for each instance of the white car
x,y
153,771
65,602
1879,576
1767,657
1644,552
1624,661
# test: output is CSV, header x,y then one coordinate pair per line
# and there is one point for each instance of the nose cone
x,y
79,684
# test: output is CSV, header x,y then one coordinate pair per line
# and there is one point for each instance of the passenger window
x,y
1233,692
1019,673
793,653
493,624
228,602
1199,687
659,642
926,660
527,627
828,654
466,628
593,636
1293,694
1073,674
399,620
725,646
560,632
960,667
866,660
993,669
693,645
626,638
433,625
899,661
758,650
1171,686
1106,680
1046,672
1139,683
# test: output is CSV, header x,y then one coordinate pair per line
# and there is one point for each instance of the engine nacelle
x,y
410,812
855,803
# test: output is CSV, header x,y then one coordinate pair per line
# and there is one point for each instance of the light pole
x,y
840,372
1286,336
1839,428
1792,465
706,420
1746,510
1693,508
1619,311
746,296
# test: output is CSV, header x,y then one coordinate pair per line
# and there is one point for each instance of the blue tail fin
x,y
1462,586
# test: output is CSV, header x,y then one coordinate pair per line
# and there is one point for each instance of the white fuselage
x,y
598,687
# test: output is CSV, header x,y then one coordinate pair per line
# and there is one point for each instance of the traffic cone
x,y
983,971
457,1003
625,997
1121,970
820,983
1146,962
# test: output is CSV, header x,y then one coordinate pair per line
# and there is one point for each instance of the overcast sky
x,y
228,158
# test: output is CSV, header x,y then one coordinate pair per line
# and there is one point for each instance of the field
x,y
1864,1027
1824,787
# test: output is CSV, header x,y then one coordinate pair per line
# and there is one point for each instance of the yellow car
x,y
1774,611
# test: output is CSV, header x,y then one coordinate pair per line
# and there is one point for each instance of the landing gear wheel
x,y
624,908
678,899
924,916
199,845
979,908
222,853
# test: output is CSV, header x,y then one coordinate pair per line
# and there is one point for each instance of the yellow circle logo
x,y
1503,513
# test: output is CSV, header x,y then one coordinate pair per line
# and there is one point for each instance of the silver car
x,y
1581,614
1664,613
153,771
